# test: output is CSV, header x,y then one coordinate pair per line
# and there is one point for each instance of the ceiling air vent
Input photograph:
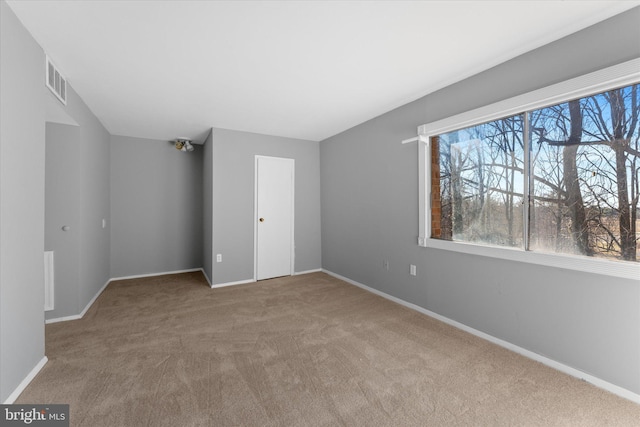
x,y
56,83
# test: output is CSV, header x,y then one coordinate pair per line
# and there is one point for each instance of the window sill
x,y
626,270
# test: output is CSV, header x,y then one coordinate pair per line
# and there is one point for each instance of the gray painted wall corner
x,y
207,207
233,188
22,160
156,207
369,215
77,194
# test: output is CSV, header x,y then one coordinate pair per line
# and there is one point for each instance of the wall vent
x,y
56,82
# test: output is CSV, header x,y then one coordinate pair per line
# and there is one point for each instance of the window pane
x,y
477,183
585,175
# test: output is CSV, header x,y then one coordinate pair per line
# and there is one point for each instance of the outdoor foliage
x,y
583,178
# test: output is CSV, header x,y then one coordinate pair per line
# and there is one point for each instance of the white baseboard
x,y
95,297
83,312
63,319
598,382
220,285
298,273
240,282
25,382
243,282
138,276
204,273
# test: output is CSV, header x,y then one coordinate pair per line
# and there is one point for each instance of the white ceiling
x,y
301,69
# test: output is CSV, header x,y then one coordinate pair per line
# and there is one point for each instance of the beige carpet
x,y
297,351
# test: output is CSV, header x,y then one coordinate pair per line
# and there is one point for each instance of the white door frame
x,y
255,214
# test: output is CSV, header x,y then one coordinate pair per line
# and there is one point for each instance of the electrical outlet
x,y
413,270
385,264
219,258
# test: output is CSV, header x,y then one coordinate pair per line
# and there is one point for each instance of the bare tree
x,y
599,158
616,126
584,185
579,227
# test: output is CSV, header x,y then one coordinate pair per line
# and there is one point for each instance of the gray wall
x,y
207,207
95,196
369,214
233,188
156,207
77,195
22,160
62,207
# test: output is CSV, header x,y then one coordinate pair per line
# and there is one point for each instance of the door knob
x,y
261,219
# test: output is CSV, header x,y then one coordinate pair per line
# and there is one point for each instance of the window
x,y
585,170
551,177
477,192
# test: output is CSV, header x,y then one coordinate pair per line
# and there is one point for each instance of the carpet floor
x,y
307,350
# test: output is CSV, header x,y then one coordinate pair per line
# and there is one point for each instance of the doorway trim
x,y
255,214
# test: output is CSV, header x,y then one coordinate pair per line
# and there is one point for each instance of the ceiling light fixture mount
x,y
184,144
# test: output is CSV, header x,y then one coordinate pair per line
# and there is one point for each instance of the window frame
x,y
623,74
